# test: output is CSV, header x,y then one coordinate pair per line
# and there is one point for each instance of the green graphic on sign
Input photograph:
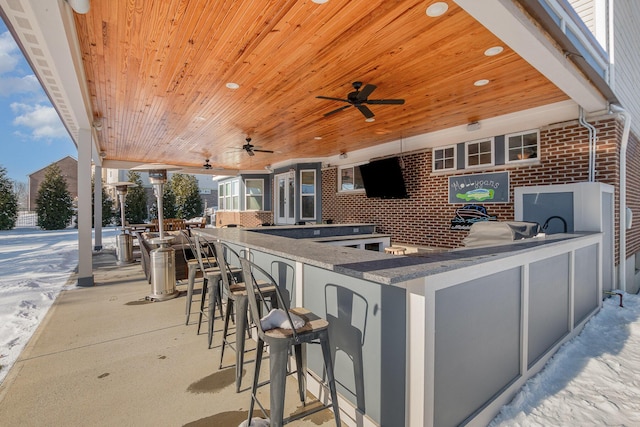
x,y
478,195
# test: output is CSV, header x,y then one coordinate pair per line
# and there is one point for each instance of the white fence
x,y
27,219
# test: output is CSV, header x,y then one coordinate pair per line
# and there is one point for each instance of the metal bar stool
x,y
237,298
280,339
210,286
193,268
215,292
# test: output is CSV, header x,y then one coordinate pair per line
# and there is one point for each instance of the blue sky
x,y
31,133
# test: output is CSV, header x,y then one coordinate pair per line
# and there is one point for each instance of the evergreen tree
x,y
135,202
54,203
188,201
8,202
107,206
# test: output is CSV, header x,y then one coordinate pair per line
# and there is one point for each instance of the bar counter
x,y
441,339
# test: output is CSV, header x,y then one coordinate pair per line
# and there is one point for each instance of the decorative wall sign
x,y
467,215
482,187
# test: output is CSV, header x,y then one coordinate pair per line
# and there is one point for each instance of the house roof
x,y
150,78
52,163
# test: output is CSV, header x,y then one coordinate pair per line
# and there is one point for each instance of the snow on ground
x,y
34,266
593,380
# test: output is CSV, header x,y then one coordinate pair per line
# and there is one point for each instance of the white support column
x,y
97,208
85,266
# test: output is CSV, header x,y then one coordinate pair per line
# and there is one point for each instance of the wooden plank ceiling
x,y
157,74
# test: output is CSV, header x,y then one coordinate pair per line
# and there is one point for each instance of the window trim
x,y
492,140
521,161
227,199
314,195
442,148
350,166
247,195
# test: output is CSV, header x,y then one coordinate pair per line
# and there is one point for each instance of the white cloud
x,y
42,120
9,53
13,79
13,85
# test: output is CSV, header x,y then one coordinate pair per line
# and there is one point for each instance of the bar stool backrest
x,y
221,252
203,255
257,298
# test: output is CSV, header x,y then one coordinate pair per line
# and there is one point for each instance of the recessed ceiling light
x,y
317,137
437,9
370,119
493,51
232,85
319,1
481,82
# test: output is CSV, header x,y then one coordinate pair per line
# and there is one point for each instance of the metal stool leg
x,y
241,325
205,285
326,354
256,376
214,295
225,330
278,375
302,373
193,269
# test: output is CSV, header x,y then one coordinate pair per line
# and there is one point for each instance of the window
x,y
479,153
254,194
229,195
308,196
444,158
522,146
349,179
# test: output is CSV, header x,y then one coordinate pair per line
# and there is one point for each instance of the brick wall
x,y
424,218
244,218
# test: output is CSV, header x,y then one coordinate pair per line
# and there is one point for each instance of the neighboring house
x,y
69,168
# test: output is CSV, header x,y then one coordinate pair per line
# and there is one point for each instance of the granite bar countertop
x,y
375,266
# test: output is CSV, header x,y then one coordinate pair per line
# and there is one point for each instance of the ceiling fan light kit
x,y
358,98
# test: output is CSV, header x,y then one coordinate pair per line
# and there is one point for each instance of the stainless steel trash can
x,y
163,273
124,248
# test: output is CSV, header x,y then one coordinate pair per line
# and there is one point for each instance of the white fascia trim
x,y
47,35
511,25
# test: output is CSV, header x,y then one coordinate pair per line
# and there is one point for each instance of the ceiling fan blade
x,y
262,151
332,99
365,111
366,91
337,110
386,101
250,152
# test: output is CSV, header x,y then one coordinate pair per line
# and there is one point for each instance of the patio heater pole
x,y
124,240
163,258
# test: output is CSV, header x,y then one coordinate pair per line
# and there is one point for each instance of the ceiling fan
x,y
358,98
251,149
207,165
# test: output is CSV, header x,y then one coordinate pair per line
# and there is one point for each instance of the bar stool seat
x,y
315,330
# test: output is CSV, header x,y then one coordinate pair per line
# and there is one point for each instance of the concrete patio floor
x,y
104,356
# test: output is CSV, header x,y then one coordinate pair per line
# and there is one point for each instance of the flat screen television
x,y
383,178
